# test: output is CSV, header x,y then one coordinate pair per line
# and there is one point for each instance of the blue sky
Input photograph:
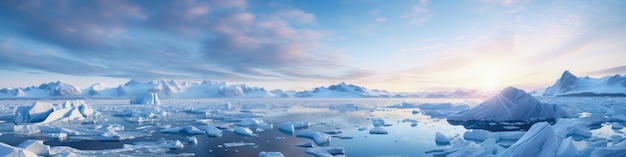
x,y
293,44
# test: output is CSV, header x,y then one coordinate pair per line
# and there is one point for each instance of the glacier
x,y
571,85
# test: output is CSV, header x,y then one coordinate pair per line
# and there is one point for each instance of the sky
x,y
399,45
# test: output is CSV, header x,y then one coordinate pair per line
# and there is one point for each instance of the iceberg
x,y
290,127
41,112
318,137
148,99
237,144
270,154
511,104
570,85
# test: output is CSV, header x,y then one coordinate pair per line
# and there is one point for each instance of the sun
x,y
490,83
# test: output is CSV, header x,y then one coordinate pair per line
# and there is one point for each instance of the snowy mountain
x,y
184,89
52,89
343,90
570,85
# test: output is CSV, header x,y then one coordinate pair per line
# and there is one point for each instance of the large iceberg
x,y
41,112
511,104
148,98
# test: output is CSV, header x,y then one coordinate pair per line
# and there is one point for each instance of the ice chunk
x,y
567,127
148,99
440,138
378,122
10,151
250,122
111,134
333,131
237,144
318,137
615,150
511,104
146,112
378,130
244,131
211,130
540,140
305,145
326,151
271,154
191,140
291,126
36,146
183,130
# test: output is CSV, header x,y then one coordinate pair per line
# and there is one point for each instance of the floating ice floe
x,y
378,130
172,144
148,99
440,138
237,144
568,127
144,112
183,130
326,151
305,145
250,122
41,112
191,140
244,131
10,151
291,126
468,149
211,130
482,135
511,104
378,122
318,137
270,154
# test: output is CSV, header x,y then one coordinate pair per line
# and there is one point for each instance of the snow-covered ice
x,y
378,130
318,137
148,99
10,151
36,146
244,131
271,154
440,138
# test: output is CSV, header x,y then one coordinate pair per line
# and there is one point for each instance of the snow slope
x,y
511,104
570,85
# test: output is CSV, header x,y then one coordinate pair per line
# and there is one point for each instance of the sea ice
x,y
318,137
183,130
237,144
326,151
10,151
144,112
36,146
148,99
305,145
378,130
271,154
244,131
292,125
378,122
211,130
191,140
173,144
250,122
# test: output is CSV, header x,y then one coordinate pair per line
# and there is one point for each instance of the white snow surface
x,y
270,154
35,146
540,140
10,151
318,137
511,104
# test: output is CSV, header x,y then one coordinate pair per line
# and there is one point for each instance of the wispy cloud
x,y
418,14
173,39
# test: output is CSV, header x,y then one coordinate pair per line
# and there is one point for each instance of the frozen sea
x,y
411,128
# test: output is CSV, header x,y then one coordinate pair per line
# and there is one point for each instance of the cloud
x,y
418,14
218,39
380,19
610,71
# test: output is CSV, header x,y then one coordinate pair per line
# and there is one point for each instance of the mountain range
x,y
571,85
567,85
